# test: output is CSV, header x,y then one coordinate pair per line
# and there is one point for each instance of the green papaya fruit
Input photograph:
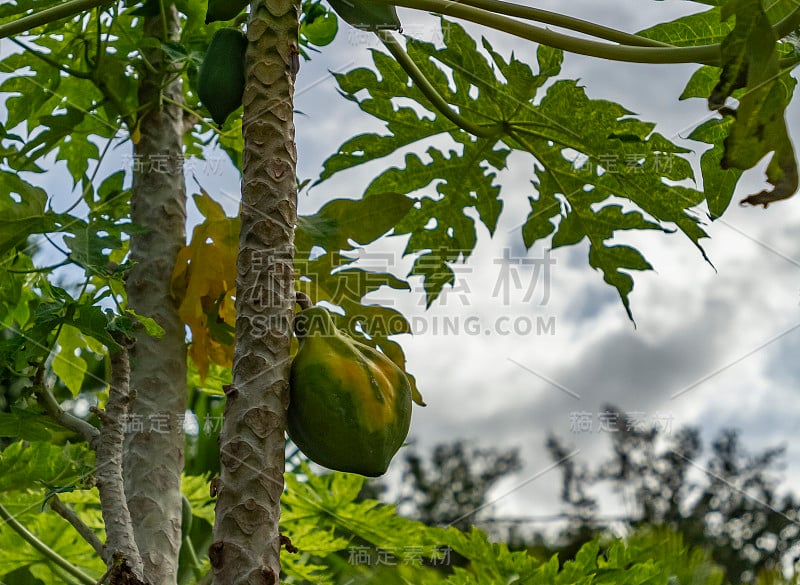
x,y
349,404
220,84
367,15
224,9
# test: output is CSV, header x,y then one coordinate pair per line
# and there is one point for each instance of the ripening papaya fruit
x,y
367,15
224,9
349,405
220,84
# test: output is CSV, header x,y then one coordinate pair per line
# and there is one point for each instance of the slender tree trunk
x,y
154,444
246,541
120,551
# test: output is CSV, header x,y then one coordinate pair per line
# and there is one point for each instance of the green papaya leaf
x,y
23,465
588,155
68,364
22,211
750,60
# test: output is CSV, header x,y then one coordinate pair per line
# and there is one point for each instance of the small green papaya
x,y
367,15
224,9
220,84
349,404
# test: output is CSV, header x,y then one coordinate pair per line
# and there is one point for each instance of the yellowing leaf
x,y
204,280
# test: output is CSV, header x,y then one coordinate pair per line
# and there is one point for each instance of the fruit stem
x,y
303,300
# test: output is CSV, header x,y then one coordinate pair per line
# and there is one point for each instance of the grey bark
x,y
120,547
154,443
246,540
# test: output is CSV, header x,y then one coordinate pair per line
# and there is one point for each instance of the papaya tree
x,y
95,345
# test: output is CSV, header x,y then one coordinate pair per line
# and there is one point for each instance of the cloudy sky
x,y
713,349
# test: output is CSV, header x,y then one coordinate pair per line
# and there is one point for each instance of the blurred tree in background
x,y
728,503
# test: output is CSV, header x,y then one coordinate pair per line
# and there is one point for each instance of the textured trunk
x,y
120,539
246,541
153,459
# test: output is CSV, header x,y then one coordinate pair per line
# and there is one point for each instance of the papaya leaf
x,y
60,133
91,244
34,340
719,182
231,142
750,60
342,220
56,534
17,296
453,237
701,83
323,505
331,278
705,28
68,364
61,112
111,186
24,7
23,464
150,325
206,293
27,426
22,211
695,29
589,154
195,488
23,103
94,322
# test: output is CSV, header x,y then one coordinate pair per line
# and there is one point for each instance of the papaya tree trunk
x,y
246,541
154,442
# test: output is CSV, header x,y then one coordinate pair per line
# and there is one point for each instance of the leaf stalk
x,y
41,547
43,17
427,88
